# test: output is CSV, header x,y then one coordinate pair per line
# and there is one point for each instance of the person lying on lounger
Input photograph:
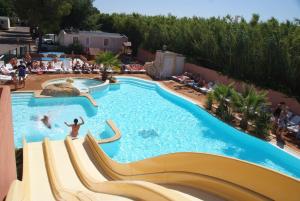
x,y
75,127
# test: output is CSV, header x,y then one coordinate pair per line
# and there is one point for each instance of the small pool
x,y
51,59
153,121
82,84
56,53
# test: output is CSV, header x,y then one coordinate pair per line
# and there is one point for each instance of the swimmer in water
x,y
46,122
75,127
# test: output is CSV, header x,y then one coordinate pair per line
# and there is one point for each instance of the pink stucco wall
x,y
7,148
145,56
210,75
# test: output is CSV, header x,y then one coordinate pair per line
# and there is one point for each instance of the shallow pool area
x,y
152,120
82,84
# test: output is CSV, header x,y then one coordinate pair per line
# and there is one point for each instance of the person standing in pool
x,y
75,127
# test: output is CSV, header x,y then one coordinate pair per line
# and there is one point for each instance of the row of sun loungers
x,y
293,125
134,68
195,83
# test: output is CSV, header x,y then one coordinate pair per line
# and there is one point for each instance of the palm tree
x,y
108,59
248,103
222,95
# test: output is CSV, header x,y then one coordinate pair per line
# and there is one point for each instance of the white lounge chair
x,y
293,125
5,78
295,120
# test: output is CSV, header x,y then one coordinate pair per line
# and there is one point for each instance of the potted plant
x,y
108,59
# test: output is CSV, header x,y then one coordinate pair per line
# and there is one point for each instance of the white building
x,y
165,65
92,40
4,23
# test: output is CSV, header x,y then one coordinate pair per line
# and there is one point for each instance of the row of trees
x,y
265,53
52,15
250,104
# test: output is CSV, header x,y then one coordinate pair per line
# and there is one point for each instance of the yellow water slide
x,y
63,170
226,177
96,179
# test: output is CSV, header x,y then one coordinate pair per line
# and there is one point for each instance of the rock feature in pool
x,y
60,90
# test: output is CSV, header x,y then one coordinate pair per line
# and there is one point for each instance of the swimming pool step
x,y
21,95
21,100
140,84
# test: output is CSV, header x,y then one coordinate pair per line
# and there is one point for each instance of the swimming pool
x,y
82,84
152,121
51,59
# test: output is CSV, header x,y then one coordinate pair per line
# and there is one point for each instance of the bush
x,y
75,48
209,101
263,124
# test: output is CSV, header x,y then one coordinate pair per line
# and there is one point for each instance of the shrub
x,y
209,101
263,124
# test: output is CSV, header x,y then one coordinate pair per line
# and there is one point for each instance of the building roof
x,y
4,18
95,33
127,44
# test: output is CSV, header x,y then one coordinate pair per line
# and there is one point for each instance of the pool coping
x,y
117,133
45,84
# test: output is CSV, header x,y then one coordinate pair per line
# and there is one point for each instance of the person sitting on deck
x,y
75,127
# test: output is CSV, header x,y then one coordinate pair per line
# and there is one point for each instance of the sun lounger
x,y
205,90
96,71
295,120
5,78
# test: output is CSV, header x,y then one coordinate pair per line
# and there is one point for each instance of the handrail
x,y
116,136
133,189
58,191
235,180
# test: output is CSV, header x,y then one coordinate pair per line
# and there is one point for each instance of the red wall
x,y
144,55
7,147
210,75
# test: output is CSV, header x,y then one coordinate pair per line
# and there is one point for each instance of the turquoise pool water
x,y
152,121
81,84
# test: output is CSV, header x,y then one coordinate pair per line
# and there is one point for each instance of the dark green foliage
x,y
262,124
45,14
209,101
6,8
222,94
264,53
108,59
75,48
248,103
80,16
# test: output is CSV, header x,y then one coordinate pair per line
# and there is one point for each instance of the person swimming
x,y
75,127
46,122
